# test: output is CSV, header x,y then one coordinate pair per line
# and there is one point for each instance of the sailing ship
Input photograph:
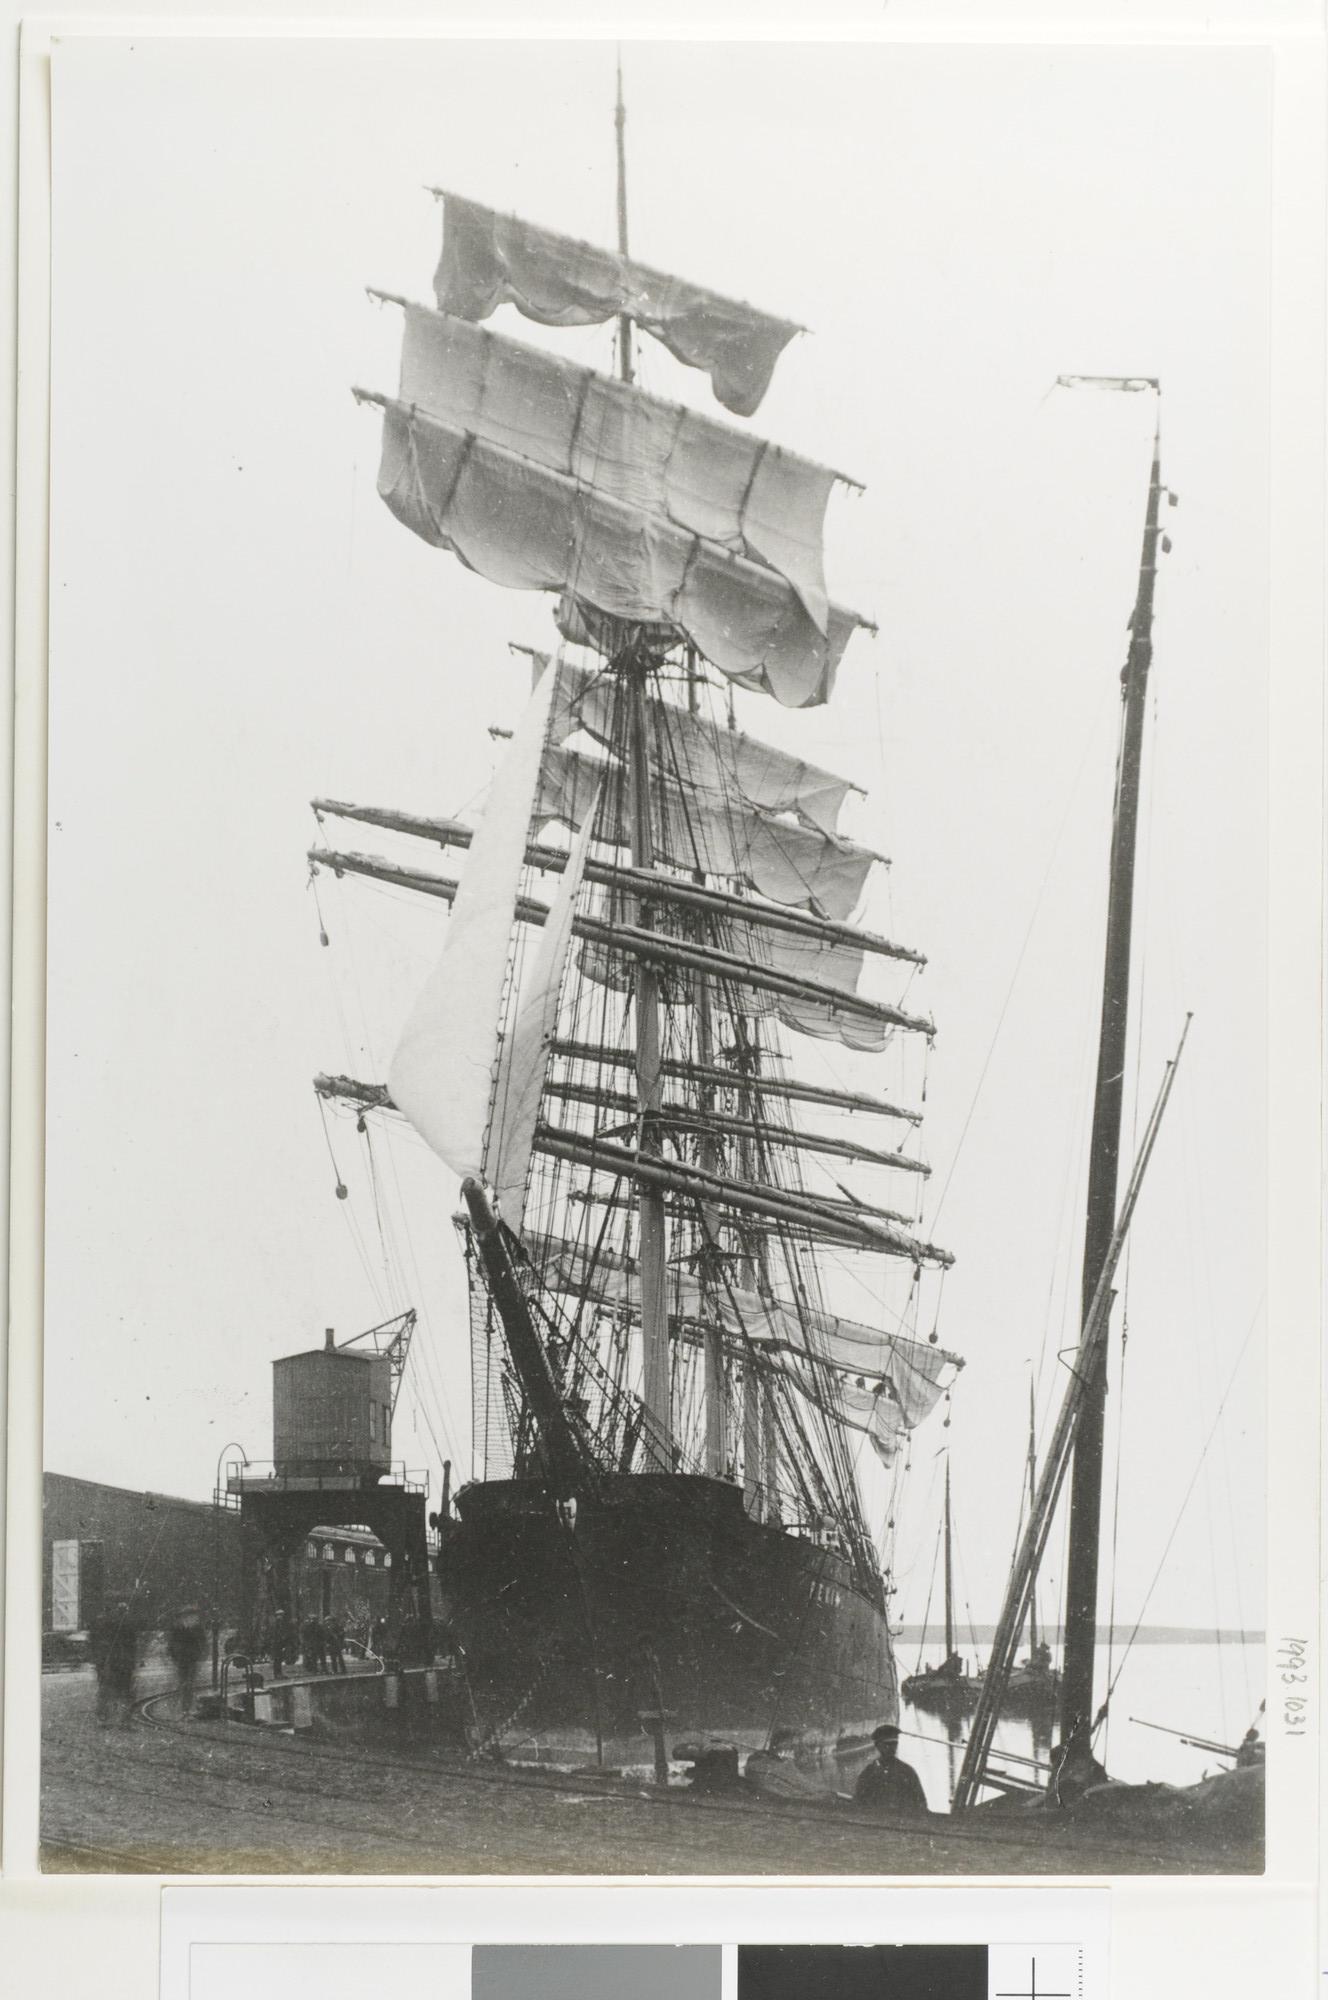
x,y
1227,1807
1075,1453
652,937
1034,1685
947,1688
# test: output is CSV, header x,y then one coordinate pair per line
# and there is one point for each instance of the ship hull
x,y
660,1597
941,1693
1032,1693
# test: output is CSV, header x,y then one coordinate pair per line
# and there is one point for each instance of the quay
x,y
170,1796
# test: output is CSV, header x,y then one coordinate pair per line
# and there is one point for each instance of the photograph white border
x,y
1208,1935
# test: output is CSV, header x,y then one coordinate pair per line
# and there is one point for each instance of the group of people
x,y
116,1645
318,1644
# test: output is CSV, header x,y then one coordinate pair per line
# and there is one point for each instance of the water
x,y
1207,1690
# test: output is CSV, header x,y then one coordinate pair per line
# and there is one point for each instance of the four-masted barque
x,y
650,935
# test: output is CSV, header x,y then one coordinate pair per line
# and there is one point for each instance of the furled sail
x,y
521,525
824,1004
842,1219
777,1089
442,1075
490,260
678,1116
873,1407
892,1382
724,763
821,1015
781,859
653,884
661,458
621,1081
523,1064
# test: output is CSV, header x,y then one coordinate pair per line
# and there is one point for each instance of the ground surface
x,y
167,1797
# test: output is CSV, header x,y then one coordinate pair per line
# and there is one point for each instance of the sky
x,y
238,625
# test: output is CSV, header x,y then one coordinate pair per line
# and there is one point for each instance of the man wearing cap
x,y
887,1785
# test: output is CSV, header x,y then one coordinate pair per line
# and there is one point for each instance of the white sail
x,y
521,525
876,1411
788,862
891,1400
442,1075
490,260
661,458
722,762
823,1020
670,541
524,1060
889,1383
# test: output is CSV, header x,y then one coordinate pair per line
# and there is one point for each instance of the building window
x,y
350,1555
370,1558
387,1558
311,1550
329,1553
373,1423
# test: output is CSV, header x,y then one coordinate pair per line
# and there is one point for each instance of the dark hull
x,y
659,1596
943,1694
1032,1692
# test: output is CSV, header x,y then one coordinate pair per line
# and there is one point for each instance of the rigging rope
x,y
1180,1513
1023,948
1116,1489
931,1586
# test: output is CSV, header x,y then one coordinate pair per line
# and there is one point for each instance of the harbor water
x,y
1202,1689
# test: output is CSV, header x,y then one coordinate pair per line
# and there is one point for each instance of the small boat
x,y
947,1689
1033,1690
1034,1686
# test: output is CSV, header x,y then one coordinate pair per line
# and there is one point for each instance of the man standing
x,y
185,1645
283,1642
115,1656
333,1642
887,1786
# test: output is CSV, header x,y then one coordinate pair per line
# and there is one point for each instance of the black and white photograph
x,y
657,1007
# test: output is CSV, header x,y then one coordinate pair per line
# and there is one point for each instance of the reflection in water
x,y
1040,1730
954,1745
1212,1691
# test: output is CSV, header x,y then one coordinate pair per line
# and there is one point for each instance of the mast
x,y
1086,1478
1032,1495
1055,1468
716,1376
649,1085
625,370
757,1424
949,1572
633,666
565,1464
730,888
